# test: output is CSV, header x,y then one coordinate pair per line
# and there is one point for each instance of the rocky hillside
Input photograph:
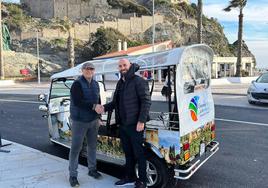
x,y
16,61
180,26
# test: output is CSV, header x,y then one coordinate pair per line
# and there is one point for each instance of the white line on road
x,y
11,100
245,122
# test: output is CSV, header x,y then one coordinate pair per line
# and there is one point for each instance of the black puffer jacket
x,y
137,99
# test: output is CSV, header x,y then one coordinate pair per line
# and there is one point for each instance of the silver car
x,y
258,90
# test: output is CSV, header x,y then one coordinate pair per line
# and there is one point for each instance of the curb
x,y
7,82
236,94
244,107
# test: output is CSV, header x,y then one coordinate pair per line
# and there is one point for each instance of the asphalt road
x,y
240,162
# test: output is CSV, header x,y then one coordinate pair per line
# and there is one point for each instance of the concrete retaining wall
x,y
134,25
233,80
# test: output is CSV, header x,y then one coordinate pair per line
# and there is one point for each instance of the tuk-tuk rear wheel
x,y
157,172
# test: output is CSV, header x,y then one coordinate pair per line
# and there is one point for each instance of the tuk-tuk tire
x,y
162,171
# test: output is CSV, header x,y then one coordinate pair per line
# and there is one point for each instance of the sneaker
x,y
95,174
125,181
140,184
73,181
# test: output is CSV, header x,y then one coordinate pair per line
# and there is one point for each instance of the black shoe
x,y
125,181
73,181
140,184
95,174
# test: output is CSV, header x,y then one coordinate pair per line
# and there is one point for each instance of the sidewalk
x,y
26,167
31,88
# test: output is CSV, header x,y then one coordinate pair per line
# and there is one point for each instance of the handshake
x,y
99,109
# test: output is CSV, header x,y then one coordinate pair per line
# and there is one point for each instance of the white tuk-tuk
x,y
180,135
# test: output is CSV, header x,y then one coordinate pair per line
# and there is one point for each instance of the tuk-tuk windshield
x,y
60,88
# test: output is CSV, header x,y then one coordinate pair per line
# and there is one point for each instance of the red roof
x,y
128,51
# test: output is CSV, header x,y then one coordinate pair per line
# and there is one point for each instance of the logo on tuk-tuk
x,y
193,107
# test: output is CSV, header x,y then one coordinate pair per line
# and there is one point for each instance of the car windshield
x,y
263,78
61,89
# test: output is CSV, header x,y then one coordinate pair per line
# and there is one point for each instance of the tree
x,y
70,42
199,21
2,72
104,41
240,4
66,25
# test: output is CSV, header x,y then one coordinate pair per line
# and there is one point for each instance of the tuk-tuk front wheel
x,y
157,172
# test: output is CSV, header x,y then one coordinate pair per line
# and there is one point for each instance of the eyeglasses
x,y
89,68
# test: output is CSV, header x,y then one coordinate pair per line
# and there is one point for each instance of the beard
x,y
123,74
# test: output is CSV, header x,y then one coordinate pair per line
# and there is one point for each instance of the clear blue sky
x,y
255,24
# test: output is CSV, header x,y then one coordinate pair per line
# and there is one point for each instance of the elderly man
x,y
85,97
131,103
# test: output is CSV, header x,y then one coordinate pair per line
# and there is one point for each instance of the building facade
x,y
73,9
226,66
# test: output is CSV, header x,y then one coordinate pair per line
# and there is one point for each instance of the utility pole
x,y
2,66
153,43
37,51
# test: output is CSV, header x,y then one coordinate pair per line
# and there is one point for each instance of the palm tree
x,y
240,4
70,42
199,21
66,25
2,72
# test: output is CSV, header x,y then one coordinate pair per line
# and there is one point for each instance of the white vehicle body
x,y
182,137
258,90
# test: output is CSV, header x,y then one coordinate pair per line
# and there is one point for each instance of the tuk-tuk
x,y
180,135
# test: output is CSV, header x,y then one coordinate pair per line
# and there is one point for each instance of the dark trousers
x,y
132,142
80,130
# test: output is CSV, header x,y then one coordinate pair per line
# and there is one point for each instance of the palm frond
x,y
235,4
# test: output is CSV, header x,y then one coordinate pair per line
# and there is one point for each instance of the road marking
x,y
11,100
244,122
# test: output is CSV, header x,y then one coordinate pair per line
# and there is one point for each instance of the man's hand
x,y
99,109
101,123
140,126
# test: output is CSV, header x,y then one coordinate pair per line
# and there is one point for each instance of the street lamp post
x,y
153,38
37,51
2,66
153,43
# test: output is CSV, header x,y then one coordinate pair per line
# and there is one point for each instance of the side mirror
x,y
42,97
253,81
43,108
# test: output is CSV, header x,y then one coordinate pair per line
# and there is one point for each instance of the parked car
x,y
258,90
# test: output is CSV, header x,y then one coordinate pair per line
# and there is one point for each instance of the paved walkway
x,y
25,167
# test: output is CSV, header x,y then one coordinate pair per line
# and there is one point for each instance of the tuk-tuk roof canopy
x,y
157,60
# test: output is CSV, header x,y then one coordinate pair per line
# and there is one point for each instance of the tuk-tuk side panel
x,y
167,142
195,102
194,96
110,146
204,134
